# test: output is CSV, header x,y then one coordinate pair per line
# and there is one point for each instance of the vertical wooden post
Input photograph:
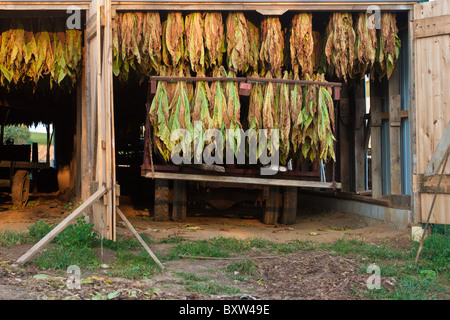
x,y
344,118
394,131
84,138
360,152
375,133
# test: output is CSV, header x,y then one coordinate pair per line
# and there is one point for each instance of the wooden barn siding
x,y
432,96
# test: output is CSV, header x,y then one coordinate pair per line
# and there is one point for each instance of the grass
x,y
242,270
39,137
77,244
204,285
11,238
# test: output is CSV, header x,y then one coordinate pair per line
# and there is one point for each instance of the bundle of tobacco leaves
x,y
36,49
255,47
365,46
284,120
232,114
195,41
159,115
218,101
270,109
272,45
340,45
296,107
180,113
254,118
388,45
313,125
200,115
309,138
136,40
214,39
174,46
302,44
326,121
237,42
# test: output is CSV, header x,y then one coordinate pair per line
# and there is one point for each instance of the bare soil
x,y
300,275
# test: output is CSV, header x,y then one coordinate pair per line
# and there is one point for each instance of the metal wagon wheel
x,y
20,188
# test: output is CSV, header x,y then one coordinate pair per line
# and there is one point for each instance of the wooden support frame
x,y
142,242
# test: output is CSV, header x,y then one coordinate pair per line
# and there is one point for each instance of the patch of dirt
x,y
300,275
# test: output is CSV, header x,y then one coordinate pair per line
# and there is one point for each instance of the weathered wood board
x,y
432,96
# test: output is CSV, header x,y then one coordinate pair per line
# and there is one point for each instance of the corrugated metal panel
x,y
405,145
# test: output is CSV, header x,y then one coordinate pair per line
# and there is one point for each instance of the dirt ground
x,y
300,275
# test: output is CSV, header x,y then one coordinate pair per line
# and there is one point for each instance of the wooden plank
x,y
375,134
343,140
394,132
61,226
23,164
150,252
259,5
430,27
439,154
432,113
360,152
243,180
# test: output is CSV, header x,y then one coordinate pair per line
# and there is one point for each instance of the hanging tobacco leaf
x,y
365,46
302,44
340,45
388,46
214,37
237,40
255,48
272,45
195,42
173,38
284,122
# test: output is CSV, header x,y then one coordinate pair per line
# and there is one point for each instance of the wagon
x,y
19,165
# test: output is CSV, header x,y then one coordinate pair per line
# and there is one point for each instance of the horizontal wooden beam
x,y
243,180
403,114
261,6
42,5
23,164
430,27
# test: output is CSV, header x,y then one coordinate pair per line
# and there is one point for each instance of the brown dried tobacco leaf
x,y
365,46
237,41
272,45
302,44
214,38
173,38
194,41
340,44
